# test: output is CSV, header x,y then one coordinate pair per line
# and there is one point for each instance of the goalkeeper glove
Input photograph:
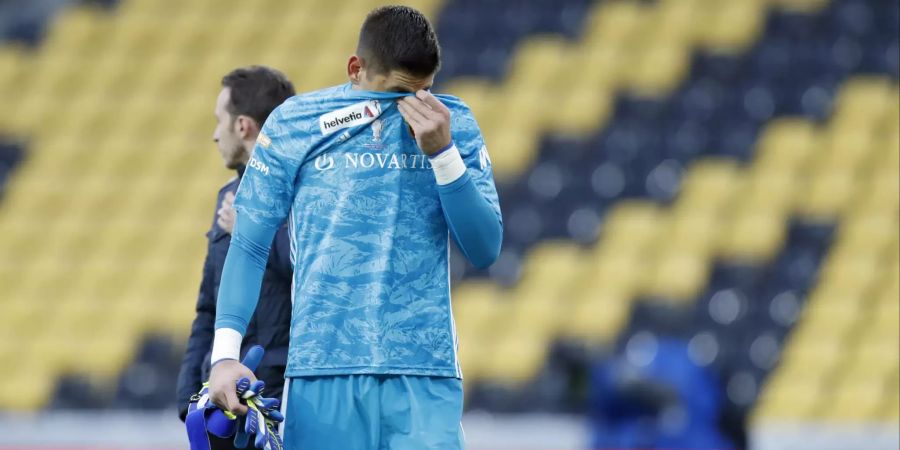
x,y
261,419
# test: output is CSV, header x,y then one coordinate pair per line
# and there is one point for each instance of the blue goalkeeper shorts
x,y
369,412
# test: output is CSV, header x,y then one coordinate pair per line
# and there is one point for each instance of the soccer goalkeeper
x,y
374,176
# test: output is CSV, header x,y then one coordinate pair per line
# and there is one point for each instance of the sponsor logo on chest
x,y
356,114
372,160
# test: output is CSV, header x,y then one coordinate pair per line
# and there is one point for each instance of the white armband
x,y
448,165
226,345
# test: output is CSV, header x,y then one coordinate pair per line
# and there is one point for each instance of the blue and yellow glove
x,y
261,421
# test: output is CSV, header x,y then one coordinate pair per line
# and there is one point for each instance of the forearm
x,y
240,285
473,223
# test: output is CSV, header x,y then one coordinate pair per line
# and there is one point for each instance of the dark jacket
x,y
269,326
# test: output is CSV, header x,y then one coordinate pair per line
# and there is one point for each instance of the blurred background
x,y
701,201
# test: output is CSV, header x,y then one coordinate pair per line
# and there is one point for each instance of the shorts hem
x,y
365,370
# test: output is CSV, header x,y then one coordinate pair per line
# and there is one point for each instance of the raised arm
x,y
462,172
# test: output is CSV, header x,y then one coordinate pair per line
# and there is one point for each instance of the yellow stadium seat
x,y
755,233
848,147
613,22
868,232
709,184
877,356
28,387
675,19
856,272
855,398
838,314
581,109
660,68
694,229
730,26
789,399
598,316
678,273
552,265
771,187
862,99
631,225
515,357
620,272
785,144
808,349
826,194
539,313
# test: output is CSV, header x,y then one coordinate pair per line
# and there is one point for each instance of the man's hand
x,y
226,213
223,385
429,120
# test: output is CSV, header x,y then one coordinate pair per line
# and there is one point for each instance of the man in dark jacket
x,y
247,97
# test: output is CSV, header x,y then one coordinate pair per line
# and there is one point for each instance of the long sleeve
x,y
242,274
467,191
472,221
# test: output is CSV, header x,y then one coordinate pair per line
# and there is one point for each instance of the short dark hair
x,y
256,91
399,38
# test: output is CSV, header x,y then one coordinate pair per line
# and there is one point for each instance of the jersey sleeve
x,y
268,185
262,203
467,192
468,139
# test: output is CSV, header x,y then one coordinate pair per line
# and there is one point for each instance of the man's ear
x,y
245,127
354,69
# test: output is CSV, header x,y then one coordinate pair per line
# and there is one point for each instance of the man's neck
x,y
248,150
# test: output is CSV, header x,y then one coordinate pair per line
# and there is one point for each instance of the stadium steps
x,y
842,360
724,212
613,25
781,155
554,85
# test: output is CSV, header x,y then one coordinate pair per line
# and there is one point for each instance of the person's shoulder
x,y
454,103
462,120
311,101
460,113
230,186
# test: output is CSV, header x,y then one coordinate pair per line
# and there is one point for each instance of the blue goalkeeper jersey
x,y
369,239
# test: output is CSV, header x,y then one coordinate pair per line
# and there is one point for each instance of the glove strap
x,y
196,429
203,418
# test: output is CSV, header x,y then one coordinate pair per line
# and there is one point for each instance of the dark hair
x,y
399,38
256,91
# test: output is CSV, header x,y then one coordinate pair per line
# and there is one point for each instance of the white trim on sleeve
x,y
226,345
448,166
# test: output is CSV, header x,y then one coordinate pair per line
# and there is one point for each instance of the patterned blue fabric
x,y
369,238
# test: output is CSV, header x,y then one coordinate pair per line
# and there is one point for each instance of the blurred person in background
x,y
247,97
